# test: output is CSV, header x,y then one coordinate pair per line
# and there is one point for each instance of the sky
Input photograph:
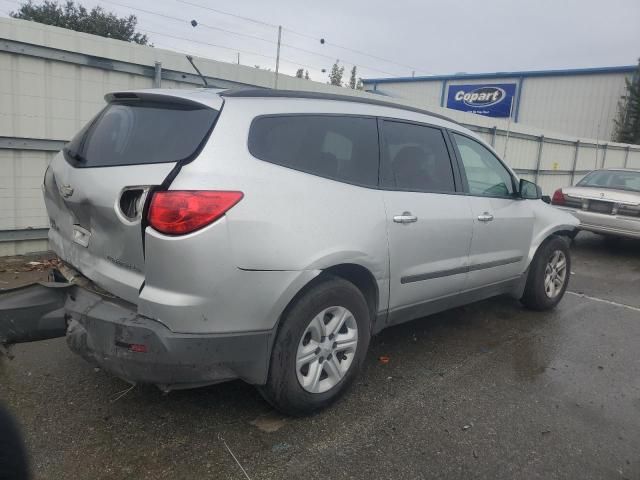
x,y
395,37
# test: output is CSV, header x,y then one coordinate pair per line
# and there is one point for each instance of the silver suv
x,y
266,235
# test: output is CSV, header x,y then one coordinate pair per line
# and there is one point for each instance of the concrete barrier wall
x,y
52,81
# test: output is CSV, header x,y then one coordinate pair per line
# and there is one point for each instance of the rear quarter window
x,y
342,148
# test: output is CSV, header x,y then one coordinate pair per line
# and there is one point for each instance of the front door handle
x,y
406,217
485,217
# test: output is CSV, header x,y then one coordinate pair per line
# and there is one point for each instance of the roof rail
x,y
242,92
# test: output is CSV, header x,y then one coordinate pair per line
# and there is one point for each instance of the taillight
x,y
558,197
176,212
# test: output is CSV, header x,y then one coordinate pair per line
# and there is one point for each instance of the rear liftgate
x,y
37,311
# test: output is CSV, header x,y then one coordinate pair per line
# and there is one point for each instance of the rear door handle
x,y
406,217
485,217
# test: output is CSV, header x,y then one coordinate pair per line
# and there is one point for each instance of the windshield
x,y
612,179
133,133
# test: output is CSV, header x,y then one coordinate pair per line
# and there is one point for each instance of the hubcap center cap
x,y
326,347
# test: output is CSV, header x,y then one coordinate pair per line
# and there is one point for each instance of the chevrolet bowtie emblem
x,y
66,191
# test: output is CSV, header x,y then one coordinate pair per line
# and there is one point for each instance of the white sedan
x,y
605,202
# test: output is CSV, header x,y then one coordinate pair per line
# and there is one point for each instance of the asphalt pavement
x,y
490,390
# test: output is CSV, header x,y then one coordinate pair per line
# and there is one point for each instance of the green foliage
x,y
300,72
627,123
335,76
353,80
73,16
306,75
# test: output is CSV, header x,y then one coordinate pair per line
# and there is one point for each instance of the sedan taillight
x,y
558,198
177,212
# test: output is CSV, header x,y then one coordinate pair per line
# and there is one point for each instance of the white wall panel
x,y
615,158
582,105
557,156
426,92
634,159
589,158
21,204
550,183
520,153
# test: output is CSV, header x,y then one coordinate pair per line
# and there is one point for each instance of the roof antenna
x,y
204,80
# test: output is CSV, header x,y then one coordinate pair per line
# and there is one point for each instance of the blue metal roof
x,y
530,73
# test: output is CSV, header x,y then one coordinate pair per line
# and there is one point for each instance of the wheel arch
x,y
567,231
360,276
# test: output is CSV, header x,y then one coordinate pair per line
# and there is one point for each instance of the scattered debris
x,y
118,395
600,367
544,432
280,447
467,427
383,359
269,423
475,454
234,457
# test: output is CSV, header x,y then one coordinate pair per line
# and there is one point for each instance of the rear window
x,y
141,132
612,179
341,148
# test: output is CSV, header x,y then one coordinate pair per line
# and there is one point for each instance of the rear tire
x,y
549,274
309,369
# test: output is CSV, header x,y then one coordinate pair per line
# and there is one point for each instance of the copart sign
x,y
492,100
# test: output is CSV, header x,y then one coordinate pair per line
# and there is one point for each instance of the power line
x,y
248,52
255,37
169,17
284,44
253,20
305,35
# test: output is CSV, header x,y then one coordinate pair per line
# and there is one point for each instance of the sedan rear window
x,y
134,133
612,179
342,148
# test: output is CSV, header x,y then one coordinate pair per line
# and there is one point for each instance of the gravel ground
x,y
485,391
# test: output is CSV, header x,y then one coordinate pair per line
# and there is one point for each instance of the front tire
x,y
549,274
320,347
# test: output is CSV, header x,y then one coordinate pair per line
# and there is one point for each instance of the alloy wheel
x,y
555,274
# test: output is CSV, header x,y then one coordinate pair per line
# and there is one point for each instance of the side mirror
x,y
529,190
546,199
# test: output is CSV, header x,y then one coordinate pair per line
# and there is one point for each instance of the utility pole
x,y
278,56
238,58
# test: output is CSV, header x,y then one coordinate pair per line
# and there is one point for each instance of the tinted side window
x,y
415,158
340,148
485,174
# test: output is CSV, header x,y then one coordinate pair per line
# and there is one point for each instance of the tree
x,y
353,80
335,77
300,73
73,16
306,75
627,123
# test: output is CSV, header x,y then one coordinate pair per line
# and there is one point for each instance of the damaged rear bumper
x,y
109,333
